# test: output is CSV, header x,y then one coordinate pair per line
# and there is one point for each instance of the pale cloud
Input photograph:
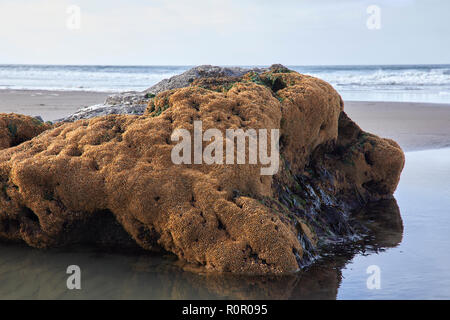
x,y
223,32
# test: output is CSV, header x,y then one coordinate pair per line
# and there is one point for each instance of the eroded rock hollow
x,y
110,180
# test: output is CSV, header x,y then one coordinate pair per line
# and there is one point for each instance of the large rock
x,y
116,171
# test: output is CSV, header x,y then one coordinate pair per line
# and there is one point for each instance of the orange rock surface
x,y
17,128
116,171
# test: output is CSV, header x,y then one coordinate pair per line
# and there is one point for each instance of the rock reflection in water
x,y
34,274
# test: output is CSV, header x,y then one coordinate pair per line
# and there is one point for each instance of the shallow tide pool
x,y
413,260
419,267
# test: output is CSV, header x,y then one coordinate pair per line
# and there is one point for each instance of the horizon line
x,y
220,65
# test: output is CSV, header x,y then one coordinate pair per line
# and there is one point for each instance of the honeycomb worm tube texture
x,y
87,181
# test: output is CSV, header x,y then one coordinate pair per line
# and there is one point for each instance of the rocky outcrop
x,y
136,102
201,72
226,218
121,103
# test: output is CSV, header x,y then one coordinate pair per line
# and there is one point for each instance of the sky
x,y
224,32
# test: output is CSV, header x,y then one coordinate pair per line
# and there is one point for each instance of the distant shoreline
x,y
415,126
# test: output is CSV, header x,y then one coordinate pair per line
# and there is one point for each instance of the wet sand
x,y
415,126
50,105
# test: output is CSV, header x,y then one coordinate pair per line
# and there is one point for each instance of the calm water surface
x,y
420,266
412,252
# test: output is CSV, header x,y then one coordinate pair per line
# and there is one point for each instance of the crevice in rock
x,y
102,229
29,214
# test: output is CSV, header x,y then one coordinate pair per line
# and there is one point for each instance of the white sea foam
x,y
411,79
83,78
388,83
421,83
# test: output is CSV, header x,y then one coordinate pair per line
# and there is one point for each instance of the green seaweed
x,y
227,87
161,110
152,106
255,78
37,122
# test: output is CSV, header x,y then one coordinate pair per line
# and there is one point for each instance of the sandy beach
x,y
415,126
50,105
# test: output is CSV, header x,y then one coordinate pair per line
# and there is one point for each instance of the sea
x,y
405,83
